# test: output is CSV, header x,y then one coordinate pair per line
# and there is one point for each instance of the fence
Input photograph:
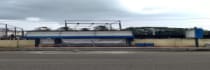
x,y
10,32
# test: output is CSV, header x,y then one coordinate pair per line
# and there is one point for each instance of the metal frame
x,y
91,22
6,27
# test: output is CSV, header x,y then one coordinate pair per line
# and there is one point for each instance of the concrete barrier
x,y
173,42
17,43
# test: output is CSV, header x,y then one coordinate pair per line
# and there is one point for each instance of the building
x,y
80,38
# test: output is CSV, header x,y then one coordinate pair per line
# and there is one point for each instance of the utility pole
x,y
120,25
6,31
66,26
22,32
15,35
110,25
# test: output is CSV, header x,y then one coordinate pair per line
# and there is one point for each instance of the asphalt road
x,y
99,60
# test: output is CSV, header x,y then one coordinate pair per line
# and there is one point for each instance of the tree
x,y
101,28
43,29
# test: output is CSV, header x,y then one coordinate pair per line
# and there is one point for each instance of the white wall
x,y
82,33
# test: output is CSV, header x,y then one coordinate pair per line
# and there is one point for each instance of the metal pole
x,y
6,31
110,26
18,43
22,33
196,42
196,39
120,25
15,33
66,26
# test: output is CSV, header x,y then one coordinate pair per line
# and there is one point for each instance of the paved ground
x,y
108,49
99,60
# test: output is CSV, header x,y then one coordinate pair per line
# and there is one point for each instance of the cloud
x,y
33,19
33,13
30,25
67,9
199,7
58,9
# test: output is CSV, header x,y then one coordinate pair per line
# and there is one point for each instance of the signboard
x,y
195,33
199,33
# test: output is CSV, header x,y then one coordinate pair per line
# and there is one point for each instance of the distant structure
x,y
82,33
157,32
9,32
99,25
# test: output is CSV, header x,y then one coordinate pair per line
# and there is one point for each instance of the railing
x,y
81,33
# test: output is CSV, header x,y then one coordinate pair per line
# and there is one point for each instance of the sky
x,y
30,14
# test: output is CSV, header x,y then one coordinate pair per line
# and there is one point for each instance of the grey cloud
x,y
56,11
56,8
62,9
